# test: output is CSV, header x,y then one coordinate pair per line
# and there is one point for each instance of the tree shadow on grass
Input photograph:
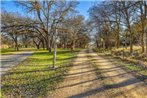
x,y
33,83
46,68
33,64
58,52
34,87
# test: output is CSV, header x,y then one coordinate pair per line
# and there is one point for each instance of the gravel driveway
x,y
82,81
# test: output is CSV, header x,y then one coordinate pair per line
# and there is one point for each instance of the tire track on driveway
x,y
83,82
119,83
80,79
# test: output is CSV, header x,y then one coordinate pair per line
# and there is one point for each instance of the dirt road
x,y
8,61
114,82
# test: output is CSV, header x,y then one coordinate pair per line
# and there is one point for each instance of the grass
x,y
12,50
137,54
34,78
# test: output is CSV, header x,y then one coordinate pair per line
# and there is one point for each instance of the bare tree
x,y
48,13
75,25
9,19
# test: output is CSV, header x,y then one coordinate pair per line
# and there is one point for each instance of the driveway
x,y
9,61
111,82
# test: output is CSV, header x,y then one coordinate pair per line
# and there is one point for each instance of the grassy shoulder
x,y
13,51
136,55
34,78
128,65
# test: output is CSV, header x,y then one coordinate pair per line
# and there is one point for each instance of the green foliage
x,y
34,76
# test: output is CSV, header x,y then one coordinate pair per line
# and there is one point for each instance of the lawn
x,y
34,78
12,50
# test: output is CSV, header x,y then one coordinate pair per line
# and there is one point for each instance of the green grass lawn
x,y
12,50
34,78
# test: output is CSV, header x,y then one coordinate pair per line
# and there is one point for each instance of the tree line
x,y
40,24
119,23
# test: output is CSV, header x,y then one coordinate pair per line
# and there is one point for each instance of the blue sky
x,y
82,8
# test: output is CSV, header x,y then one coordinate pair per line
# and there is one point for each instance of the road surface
x,y
112,82
8,61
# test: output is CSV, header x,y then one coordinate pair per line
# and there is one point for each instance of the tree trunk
x,y
117,40
55,46
37,46
145,29
118,29
97,45
142,18
48,47
131,36
73,45
103,44
107,42
26,46
54,56
46,44
127,18
43,46
131,43
146,41
16,44
142,41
